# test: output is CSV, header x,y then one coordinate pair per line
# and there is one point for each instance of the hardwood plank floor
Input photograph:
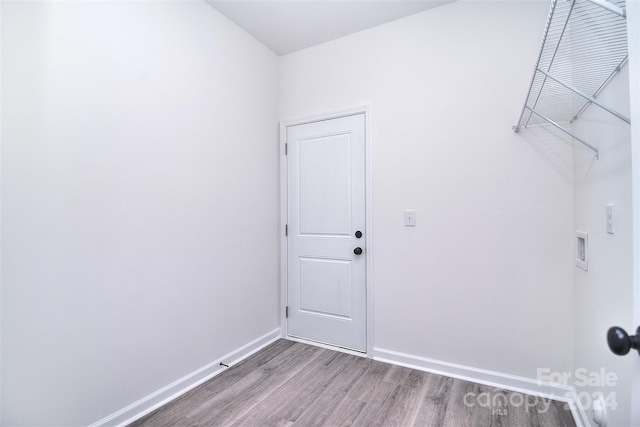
x,y
294,384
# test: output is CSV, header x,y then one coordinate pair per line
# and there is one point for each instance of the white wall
x,y
139,201
485,279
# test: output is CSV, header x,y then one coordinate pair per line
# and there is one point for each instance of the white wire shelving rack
x,y
584,46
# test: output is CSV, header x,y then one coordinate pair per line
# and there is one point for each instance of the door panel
x,y
324,186
326,292
326,287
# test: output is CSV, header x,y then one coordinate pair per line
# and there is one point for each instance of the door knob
x,y
358,234
620,342
357,251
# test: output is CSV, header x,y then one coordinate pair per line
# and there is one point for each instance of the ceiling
x,y
286,26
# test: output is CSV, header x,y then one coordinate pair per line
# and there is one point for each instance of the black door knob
x,y
357,251
620,342
358,234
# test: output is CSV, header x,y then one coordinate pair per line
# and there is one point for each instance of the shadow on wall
x,y
552,145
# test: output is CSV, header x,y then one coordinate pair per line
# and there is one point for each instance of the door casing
x,y
284,124
633,33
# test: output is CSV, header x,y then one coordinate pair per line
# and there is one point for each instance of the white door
x,y
326,240
633,34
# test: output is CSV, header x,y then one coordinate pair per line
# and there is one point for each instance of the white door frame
x,y
633,36
366,110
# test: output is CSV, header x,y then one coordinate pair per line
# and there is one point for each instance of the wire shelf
x,y
583,48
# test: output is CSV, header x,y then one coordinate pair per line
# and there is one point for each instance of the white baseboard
x,y
177,388
495,379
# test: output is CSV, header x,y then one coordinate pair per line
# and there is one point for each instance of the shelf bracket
x,y
571,134
611,7
585,96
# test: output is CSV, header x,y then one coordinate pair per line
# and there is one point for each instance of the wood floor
x,y
290,383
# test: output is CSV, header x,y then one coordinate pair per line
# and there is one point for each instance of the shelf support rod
x,y
552,10
611,7
601,88
571,134
584,95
